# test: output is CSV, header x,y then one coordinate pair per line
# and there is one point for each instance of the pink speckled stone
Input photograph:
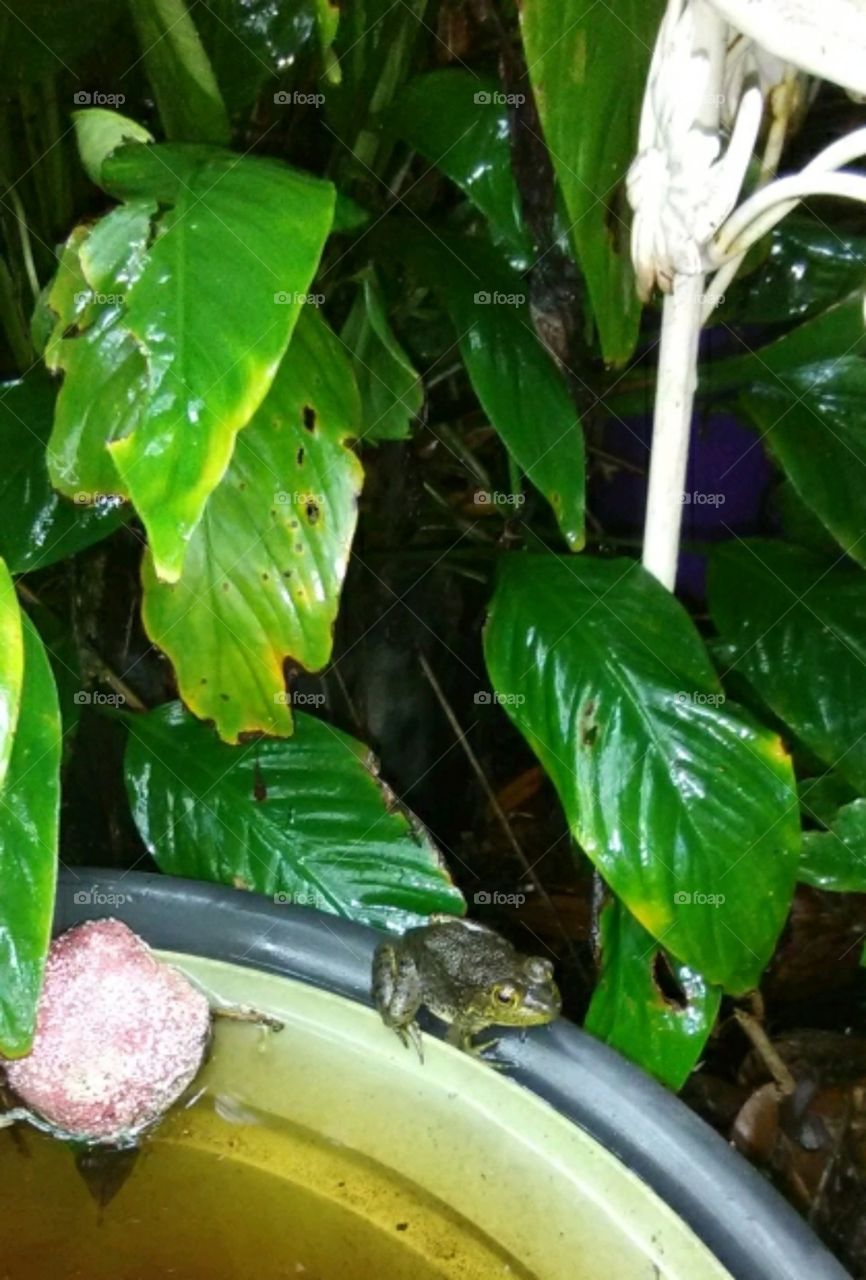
x,y
119,1035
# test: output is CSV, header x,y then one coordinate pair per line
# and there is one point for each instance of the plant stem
x,y
678,355
675,393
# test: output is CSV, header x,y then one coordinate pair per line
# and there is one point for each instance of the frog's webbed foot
x,y
460,1035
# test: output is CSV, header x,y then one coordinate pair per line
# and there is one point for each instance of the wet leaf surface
x,y
29,815
589,65
664,1032
678,797
797,624
459,121
38,527
304,820
261,580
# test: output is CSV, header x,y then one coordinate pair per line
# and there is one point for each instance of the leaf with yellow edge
x,y
685,804
213,311
263,571
11,666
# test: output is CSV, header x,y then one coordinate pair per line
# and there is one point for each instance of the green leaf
x,y
392,394
29,816
304,819
798,522
516,381
242,239
11,667
328,21
253,41
684,804
815,426
105,373
588,66
805,394
374,48
187,94
460,122
262,575
631,1012
806,267
821,797
99,133
37,526
797,624
836,859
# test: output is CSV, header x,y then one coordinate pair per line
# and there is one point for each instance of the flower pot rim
x,y
744,1222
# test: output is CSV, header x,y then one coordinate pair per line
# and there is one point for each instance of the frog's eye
x,y
506,994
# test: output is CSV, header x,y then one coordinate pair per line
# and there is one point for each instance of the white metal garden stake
x,y
684,187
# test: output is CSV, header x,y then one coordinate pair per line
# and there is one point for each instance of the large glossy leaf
x,y
460,122
38,526
105,374
241,239
805,393
305,819
805,267
815,425
11,667
263,572
797,626
392,394
836,859
588,66
630,1009
29,815
516,381
190,105
684,804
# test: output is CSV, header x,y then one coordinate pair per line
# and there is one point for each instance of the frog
x,y
465,974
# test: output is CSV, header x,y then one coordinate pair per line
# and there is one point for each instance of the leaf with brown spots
x,y
263,573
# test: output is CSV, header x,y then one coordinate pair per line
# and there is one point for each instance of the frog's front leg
x,y
397,993
460,1034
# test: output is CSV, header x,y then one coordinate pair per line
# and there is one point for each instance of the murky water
x,y
217,1199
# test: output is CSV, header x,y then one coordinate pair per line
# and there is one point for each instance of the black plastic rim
x,y
739,1216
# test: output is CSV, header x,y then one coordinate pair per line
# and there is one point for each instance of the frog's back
x,y
463,953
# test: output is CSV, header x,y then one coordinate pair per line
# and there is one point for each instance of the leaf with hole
x,y
682,801
104,371
655,1011
262,575
304,819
